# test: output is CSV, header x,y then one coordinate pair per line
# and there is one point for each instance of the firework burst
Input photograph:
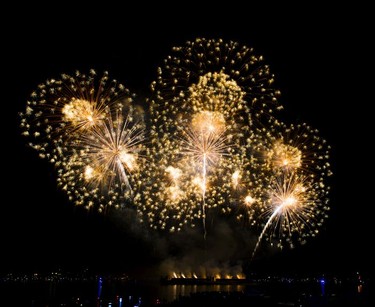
x,y
215,145
295,207
294,170
202,132
243,67
295,147
92,132
60,109
103,165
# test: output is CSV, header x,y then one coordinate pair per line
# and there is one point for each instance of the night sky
x,y
320,59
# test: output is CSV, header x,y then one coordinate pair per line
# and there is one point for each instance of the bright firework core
x,y
289,201
207,122
206,142
287,198
285,156
81,113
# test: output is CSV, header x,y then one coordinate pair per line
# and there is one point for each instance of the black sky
x,y
321,61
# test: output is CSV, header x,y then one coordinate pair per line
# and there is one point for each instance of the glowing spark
x,y
175,173
175,193
91,174
249,200
236,176
127,158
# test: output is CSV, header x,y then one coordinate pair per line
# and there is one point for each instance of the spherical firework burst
x,y
241,65
92,132
295,147
295,168
295,207
102,166
200,144
60,109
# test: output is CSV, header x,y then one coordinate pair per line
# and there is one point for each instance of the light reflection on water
x,y
117,293
102,293
153,293
172,292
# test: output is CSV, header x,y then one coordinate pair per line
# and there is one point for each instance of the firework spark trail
x,y
204,196
294,161
296,205
205,143
276,212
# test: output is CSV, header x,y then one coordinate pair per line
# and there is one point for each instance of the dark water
x,y
124,293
